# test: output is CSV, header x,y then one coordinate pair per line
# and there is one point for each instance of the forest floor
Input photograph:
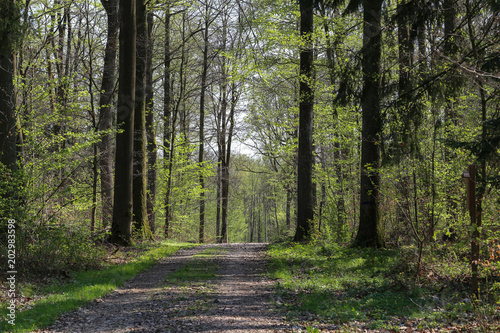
x,y
208,288
245,288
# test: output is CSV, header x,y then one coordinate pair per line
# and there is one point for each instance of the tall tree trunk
x,y
451,87
150,129
370,231
481,180
140,213
168,129
305,208
223,163
405,51
225,167
105,111
121,228
221,142
8,154
95,157
202,126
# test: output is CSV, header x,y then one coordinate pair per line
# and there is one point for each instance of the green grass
x,y
84,286
197,270
194,283
377,287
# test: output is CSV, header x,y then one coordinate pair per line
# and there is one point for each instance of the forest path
x,y
237,298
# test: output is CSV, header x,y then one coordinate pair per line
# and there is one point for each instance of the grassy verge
x,y
83,286
371,289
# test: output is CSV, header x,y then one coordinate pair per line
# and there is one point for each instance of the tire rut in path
x,y
238,300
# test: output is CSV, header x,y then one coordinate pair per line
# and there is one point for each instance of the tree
x,y
370,231
305,206
9,29
201,138
105,110
140,212
231,46
169,120
121,229
9,25
150,128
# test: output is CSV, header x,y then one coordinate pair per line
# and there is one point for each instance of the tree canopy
x,y
254,120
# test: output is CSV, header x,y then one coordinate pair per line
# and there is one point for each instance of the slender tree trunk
x,y
95,157
223,165
150,129
276,217
224,202
305,207
95,181
405,51
370,231
452,82
105,111
288,209
259,226
121,228
218,199
226,178
202,126
482,172
252,219
140,219
168,128
221,142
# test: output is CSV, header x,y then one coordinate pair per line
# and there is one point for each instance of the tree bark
x,y
150,129
305,206
140,219
225,168
168,129
370,233
8,152
202,126
223,162
105,111
121,228
8,156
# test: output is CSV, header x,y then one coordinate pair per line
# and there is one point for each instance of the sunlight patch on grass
x,y
343,285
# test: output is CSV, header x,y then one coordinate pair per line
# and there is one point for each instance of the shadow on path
x,y
236,299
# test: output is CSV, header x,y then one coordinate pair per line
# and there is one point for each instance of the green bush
x,y
57,250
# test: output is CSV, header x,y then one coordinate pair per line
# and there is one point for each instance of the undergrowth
x,y
378,289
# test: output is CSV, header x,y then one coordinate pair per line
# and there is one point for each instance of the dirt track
x,y
238,300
